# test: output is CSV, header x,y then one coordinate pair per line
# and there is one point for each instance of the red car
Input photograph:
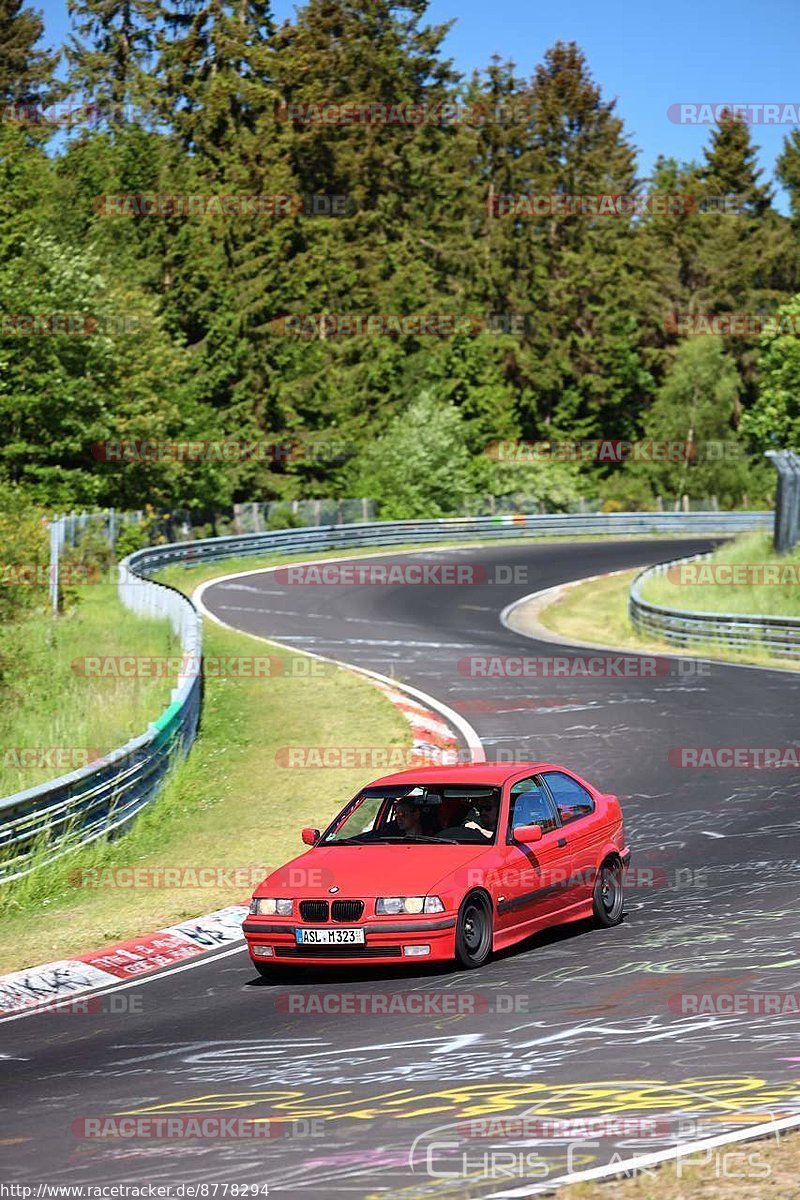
x,y
444,863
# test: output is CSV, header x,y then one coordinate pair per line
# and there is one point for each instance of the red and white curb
x,y
54,984
432,739
413,701
42,987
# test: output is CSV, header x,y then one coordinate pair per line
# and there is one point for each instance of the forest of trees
x,y
127,316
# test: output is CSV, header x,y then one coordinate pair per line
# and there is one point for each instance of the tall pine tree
x,y
110,52
26,73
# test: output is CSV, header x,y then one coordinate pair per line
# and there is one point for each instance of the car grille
x,y
315,911
338,951
347,910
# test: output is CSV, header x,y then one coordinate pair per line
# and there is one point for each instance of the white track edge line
x,y
639,1162
558,639
469,734
103,990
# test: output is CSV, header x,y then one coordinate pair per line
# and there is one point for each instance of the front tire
x,y
265,970
474,931
608,897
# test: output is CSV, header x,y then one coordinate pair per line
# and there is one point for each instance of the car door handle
x,y
561,842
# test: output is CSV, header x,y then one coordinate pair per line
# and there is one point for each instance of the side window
x,y
572,800
531,805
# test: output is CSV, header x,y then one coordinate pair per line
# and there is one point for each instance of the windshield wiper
x,y
420,837
356,837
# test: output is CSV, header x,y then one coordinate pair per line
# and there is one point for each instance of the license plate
x,y
329,937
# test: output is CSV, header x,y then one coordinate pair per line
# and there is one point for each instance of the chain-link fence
x,y
287,514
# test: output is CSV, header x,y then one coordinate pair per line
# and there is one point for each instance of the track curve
x,y
579,1022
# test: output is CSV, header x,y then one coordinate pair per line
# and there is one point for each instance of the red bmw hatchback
x,y
444,863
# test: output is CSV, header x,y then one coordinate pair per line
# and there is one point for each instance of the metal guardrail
x,y
393,533
779,636
45,822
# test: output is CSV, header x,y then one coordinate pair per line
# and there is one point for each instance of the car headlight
x,y
392,906
260,907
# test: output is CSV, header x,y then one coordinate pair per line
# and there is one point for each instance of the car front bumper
x,y
274,943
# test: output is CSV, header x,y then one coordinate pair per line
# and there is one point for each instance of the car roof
x,y
490,774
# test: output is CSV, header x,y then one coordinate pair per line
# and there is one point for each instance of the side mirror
x,y
310,836
528,833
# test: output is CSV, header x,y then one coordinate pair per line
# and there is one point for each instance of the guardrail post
x,y
794,507
787,500
54,555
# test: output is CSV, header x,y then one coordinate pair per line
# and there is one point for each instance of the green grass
x,y
745,597
597,611
50,709
767,1169
227,806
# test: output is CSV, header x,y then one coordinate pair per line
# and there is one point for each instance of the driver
x,y
488,811
407,819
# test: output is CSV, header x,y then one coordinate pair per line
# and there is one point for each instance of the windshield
x,y
417,813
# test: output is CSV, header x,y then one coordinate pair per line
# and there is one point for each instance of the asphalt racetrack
x,y
633,1031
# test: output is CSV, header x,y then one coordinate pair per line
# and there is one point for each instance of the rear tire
x,y
608,897
474,931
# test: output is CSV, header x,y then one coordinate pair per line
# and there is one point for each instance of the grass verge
x,y
769,1168
750,554
55,719
597,610
229,809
